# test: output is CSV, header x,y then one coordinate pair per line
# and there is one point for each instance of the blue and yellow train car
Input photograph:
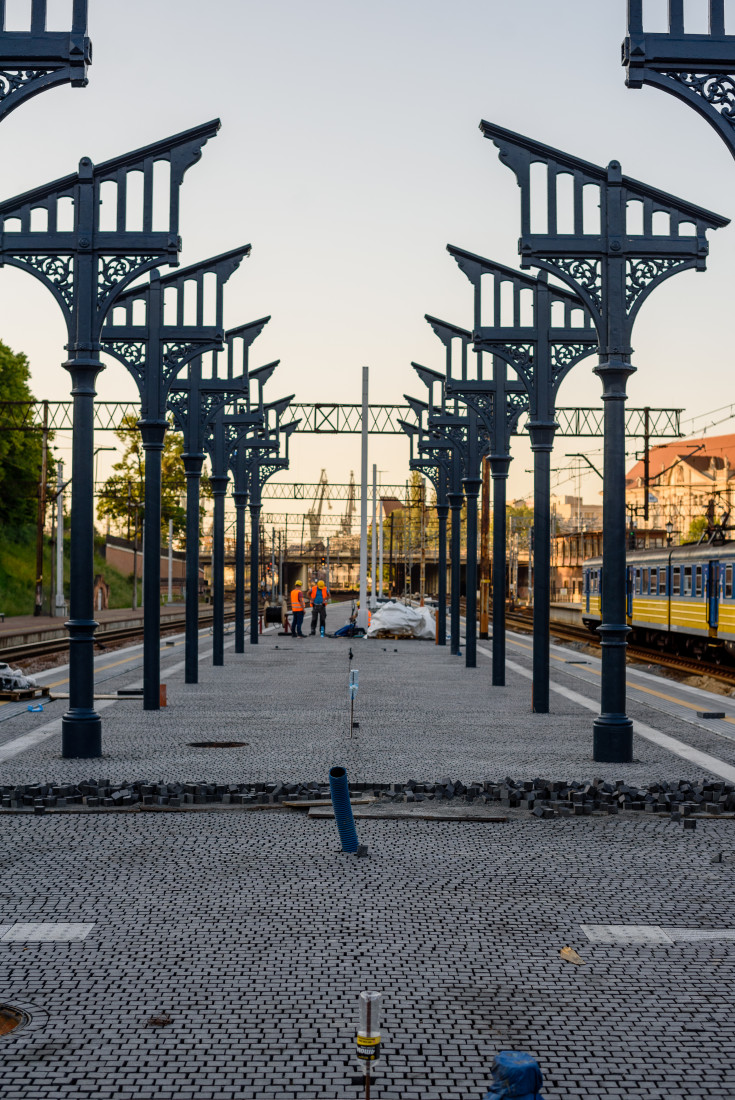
x,y
678,597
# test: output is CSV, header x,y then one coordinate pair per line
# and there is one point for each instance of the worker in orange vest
x,y
298,609
318,598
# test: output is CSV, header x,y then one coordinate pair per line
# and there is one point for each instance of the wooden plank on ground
x,y
417,815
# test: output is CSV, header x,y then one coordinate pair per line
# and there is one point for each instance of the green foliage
x,y
20,452
18,572
123,493
697,528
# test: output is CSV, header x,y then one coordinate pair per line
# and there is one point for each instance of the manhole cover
x,y
218,744
11,1019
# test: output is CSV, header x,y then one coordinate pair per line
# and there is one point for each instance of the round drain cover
x,y
217,744
11,1019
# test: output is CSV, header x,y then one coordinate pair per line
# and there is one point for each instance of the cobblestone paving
x,y
422,716
255,934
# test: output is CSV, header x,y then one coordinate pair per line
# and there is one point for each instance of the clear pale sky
x,y
350,156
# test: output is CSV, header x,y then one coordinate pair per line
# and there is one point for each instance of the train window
x,y
654,582
645,582
728,582
662,582
687,585
698,581
676,586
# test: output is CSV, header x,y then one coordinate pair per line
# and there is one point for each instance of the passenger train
x,y
677,597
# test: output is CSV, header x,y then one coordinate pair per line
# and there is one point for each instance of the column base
x,y
613,739
81,735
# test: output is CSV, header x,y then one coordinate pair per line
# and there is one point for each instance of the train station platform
x,y
250,934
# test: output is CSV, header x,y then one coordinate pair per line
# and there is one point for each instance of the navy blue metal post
x,y
540,351
240,497
499,465
613,270
154,353
86,269
193,462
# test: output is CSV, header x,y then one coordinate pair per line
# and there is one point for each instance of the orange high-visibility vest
x,y
297,600
312,594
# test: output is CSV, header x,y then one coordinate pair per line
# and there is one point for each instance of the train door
x,y
587,581
713,594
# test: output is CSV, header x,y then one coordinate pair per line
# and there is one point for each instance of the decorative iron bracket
x,y
155,352
33,60
82,262
697,68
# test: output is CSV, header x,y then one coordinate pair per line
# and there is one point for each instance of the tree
x,y
20,452
123,494
697,528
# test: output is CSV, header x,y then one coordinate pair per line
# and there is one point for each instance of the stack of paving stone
x,y
543,797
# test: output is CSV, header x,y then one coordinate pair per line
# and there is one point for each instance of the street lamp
x,y
669,532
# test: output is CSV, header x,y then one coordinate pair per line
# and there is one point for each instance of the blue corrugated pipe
x,y
340,792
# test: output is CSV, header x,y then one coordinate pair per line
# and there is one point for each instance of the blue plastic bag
x,y
516,1076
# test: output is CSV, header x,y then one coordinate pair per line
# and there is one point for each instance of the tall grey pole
x,y
362,614
60,607
380,551
170,598
374,548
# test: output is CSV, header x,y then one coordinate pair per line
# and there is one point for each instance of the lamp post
x,y
86,267
154,353
613,270
669,532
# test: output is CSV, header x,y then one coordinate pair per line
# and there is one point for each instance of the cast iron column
x,y
240,498
254,560
442,511
613,730
153,440
499,472
193,468
542,444
455,505
472,486
81,727
219,491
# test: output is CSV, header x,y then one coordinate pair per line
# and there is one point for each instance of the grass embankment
x,y
18,573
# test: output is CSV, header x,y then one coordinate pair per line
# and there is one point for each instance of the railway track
x,y
692,666
50,647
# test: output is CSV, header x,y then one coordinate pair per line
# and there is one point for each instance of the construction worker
x,y
297,608
318,598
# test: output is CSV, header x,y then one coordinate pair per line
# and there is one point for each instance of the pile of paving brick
x,y
542,797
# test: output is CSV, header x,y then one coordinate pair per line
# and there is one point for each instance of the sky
x,y
350,156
